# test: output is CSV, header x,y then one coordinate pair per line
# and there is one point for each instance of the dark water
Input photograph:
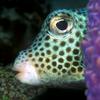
x,y
62,94
68,3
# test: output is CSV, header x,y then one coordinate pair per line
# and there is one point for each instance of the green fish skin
x,y
55,56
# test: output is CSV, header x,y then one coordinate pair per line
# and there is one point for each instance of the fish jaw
x,y
27,73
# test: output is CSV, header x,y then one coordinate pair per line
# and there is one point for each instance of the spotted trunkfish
x,y
55,56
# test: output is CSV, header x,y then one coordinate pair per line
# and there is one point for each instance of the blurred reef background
x,y
20,21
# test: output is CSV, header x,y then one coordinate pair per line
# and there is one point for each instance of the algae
x,y
12,89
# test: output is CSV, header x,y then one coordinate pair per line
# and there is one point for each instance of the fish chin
x,y
27,73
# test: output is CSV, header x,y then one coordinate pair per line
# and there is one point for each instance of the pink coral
x,y
91,50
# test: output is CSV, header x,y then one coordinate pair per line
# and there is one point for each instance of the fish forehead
x,y
78,15
79,12
57,59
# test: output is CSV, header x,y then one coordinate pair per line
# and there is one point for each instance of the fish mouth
x,y
26,73
16,72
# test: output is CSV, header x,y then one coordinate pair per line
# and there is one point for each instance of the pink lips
x,y
26,73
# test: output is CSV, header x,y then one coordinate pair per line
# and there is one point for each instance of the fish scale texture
x,y
91,50
55,54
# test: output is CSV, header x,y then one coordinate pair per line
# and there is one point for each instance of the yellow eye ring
x,y
61,24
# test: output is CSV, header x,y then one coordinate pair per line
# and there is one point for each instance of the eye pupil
x,y
62,25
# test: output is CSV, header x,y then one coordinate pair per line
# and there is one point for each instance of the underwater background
x,y
20,21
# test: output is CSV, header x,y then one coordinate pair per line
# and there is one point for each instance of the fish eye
x,y
61,24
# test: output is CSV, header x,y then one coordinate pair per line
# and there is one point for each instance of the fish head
x,y
55,56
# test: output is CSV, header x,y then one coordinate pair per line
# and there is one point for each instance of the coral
x,y
11,89
91,50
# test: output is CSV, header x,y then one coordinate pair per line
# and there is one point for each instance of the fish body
x,y
55,55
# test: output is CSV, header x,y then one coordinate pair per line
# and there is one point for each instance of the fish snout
x,y
27,73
